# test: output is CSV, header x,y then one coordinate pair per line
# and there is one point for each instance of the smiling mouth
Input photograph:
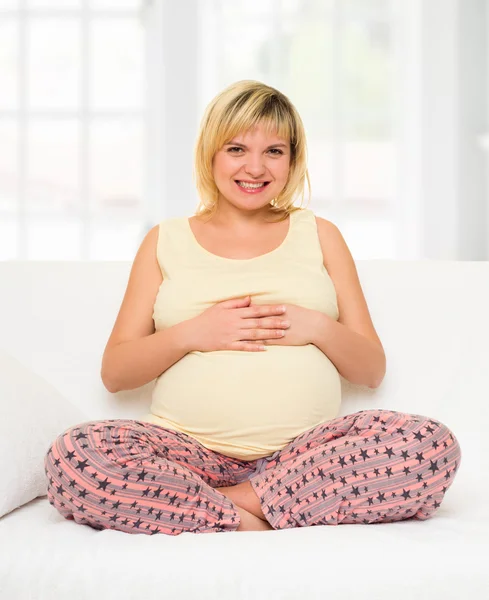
x,y
253,184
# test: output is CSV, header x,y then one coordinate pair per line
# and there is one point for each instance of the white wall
x,y
443,202
173,89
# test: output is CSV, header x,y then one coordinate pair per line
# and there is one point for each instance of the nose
x,y
254,165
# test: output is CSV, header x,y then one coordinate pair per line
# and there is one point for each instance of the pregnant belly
x,y
232,395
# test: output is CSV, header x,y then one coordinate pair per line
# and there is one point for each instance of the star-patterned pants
x,y
372,466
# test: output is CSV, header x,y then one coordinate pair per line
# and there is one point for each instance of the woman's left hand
x,y
304,323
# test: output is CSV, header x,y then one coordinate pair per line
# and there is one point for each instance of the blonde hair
x,y
237,109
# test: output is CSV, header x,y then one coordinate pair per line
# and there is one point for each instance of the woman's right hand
x,y
235,325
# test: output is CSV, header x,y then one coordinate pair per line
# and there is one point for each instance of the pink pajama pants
x,y
372,466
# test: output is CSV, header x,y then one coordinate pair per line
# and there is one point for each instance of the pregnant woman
x,y
246,314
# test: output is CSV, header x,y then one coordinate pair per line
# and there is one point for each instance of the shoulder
x,y
324,225
331,240
148,246
339,262
151,237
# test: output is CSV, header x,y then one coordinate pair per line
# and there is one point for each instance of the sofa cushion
x,y
48,557
32,414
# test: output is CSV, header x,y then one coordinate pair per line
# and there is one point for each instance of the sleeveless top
x,y
244,404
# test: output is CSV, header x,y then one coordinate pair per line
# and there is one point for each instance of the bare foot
x,y
244,496
251,523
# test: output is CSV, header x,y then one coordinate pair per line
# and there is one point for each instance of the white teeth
x,y
250,185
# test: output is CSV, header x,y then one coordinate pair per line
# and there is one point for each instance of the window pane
x,y
308,75
8,4
52,166
116,167
320,163
367,76
296,8
53,63
9,56
115,240
64,4
115,4
236,59
9,168
54,238
8,237
367,8
370,240
116,64
369,170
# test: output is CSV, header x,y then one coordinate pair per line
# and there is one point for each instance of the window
x,y
72,129
77,180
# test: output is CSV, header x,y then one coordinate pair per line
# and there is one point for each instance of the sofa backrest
x,y
432,318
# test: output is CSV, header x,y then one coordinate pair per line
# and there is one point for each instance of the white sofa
x,y
433,319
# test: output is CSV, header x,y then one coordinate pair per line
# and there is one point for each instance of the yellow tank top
x,y
243,404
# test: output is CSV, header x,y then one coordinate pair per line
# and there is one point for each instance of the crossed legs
x,y
248,506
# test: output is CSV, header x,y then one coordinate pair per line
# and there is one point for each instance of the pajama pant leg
x,y
371,466
138,477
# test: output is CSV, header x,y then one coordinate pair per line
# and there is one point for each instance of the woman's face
x,y
251,157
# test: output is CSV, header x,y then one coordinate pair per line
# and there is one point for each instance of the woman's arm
x,y
357,358
351,343
135,353
130,364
